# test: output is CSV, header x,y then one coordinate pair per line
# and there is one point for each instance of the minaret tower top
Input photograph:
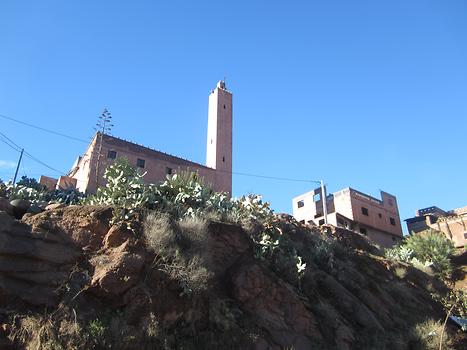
x,y
219,140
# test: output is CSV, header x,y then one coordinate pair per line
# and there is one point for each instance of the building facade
x,y
87,173
378,219
452,223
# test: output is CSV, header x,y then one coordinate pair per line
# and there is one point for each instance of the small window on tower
x,y
223,159
111,154
168,171
300,204
365,211
140,163
224,106
393,222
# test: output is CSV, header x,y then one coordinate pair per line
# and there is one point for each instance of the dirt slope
x,y
68,278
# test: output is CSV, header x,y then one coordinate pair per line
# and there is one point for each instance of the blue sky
x,y
367,94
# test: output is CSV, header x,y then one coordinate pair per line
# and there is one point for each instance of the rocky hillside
x,y
69,279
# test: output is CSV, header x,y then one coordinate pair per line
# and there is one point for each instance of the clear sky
x,y
367,94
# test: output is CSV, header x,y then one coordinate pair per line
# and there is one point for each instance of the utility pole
x,y
17,167
323,199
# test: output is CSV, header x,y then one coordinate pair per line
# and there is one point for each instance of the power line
x,y
43,129
80,140
41,162
17,148
10,143
267,177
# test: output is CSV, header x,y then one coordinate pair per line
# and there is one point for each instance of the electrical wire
x,y
43,129
17,148
267,176
80,140
10,142
29,155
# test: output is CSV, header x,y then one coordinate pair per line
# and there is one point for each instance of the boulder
x,y
116,271
85,226
226,244
6,206
116,236
32,264
54,206
20,207
276,307
34,209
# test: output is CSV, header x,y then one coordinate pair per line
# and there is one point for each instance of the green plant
x,y
401,253
96,331
31,183
124,190
426,249
454,300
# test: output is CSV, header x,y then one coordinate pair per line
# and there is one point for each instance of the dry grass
x,y
181,249
158,232
34,332
427,336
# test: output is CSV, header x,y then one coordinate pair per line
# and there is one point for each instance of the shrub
x,y
426,249
455,301
180,250
45,332
158,232
184,196
32,191
31,183
124,190
427,336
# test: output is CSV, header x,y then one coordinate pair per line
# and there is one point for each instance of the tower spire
x,y
219,141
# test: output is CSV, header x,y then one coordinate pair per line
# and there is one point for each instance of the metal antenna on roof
x,y
103,127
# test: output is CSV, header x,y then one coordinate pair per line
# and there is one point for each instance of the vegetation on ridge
x,y
354,299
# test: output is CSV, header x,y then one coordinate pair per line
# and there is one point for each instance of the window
x,y
317,197
393,239
140,163
168,171
223,159
380,215
300,204
392,221
111,154
321,222
224,106
365,211
363,231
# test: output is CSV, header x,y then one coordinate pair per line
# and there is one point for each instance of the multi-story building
x,y
87,173
378,219
452,223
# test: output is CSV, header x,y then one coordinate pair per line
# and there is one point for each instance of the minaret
x,y
219,143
